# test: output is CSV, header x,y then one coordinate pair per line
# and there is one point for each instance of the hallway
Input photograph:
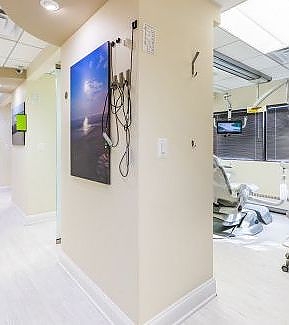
x,y
34,289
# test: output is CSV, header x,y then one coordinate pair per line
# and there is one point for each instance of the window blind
x,y
246,146
277,134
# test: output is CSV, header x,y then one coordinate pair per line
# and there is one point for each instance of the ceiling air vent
x,y
281,56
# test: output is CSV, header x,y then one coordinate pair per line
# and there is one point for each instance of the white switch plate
x,y
163,148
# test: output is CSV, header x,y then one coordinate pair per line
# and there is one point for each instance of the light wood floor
x,y
34,289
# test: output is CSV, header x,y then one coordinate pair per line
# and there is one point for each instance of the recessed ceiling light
x,y
49,5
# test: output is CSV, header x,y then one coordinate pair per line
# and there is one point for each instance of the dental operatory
x,y
251,154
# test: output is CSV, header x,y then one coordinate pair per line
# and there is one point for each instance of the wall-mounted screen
x,y
21,122
18,136
229,127
90,100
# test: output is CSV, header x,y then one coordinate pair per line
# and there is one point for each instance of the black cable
x,y
120,107
103,113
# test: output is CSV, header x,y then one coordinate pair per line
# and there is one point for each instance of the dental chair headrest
x,y
217,166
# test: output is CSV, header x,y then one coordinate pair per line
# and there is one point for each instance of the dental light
x,y
239,69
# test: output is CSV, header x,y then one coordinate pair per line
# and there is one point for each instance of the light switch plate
x,y
163,148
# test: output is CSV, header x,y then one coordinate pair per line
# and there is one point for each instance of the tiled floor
x,y
35,290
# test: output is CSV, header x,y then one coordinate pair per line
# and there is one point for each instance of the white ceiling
x,y
233,47
17,47
227,4
240,51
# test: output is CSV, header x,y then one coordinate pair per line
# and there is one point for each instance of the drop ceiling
x,y
272,65
240,51
17,50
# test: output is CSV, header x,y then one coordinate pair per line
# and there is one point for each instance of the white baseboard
x,y
19,211
40,217
187,305
100,300
173,315
32,219
5,188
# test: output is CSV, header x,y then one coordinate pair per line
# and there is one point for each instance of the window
x,y
277,135
246,146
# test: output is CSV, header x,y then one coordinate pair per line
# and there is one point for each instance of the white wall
x,y
5,145
140,238
99,222
264,174
175,193
34,165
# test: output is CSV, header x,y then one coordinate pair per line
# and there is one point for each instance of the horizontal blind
x,y
277,139
246,146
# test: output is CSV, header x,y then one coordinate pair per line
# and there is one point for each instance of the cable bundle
x,y
119,106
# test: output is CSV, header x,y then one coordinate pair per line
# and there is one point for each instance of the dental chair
x,y
233,216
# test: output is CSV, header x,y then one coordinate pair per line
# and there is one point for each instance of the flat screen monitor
x,y
229,127
21,122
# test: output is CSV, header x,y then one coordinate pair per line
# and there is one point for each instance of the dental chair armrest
x,y
243,192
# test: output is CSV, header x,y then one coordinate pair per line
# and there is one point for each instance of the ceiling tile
x,y
2,60
9,30
222,38
16,64
220,89
277,72
260,62
5,47
28,39
24,53
239,51
227,4
221,75
234,82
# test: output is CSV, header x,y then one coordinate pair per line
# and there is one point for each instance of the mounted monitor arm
x,y
229,108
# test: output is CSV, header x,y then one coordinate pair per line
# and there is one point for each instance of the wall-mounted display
x,y
18,117
21,122
90,99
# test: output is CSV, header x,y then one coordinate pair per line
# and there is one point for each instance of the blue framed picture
x,y
89,114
